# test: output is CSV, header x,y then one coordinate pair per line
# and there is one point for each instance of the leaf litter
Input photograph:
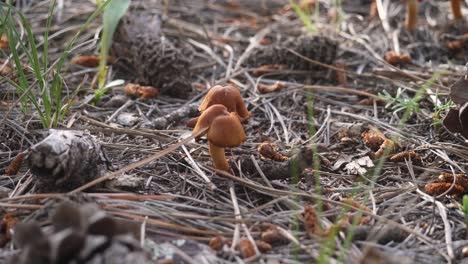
x,y
199,44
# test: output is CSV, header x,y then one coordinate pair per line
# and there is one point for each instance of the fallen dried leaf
x,y
359,166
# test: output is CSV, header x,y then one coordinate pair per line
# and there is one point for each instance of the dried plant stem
x,y
411,14
455,5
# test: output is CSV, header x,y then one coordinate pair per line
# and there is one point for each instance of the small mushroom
x,y
224,130
230,97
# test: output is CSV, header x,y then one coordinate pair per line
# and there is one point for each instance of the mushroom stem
x,y
411,14
219,160
456,9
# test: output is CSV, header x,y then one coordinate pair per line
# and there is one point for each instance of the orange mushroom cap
x,y
229,96
224,128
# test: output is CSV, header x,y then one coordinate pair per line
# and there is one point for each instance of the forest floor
x,y
323,92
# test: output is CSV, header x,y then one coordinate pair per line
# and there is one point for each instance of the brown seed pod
x,y
405,155
311,221
438,188
142,92
340,225
394,58
15,165
217,243
4,42
246,248
363,220
263,88
373,138
354,204
263,246
387,144
267,151
6,71
7,223
272,236
461,179
455,45
340,75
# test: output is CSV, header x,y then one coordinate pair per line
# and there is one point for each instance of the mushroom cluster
x,y
222,112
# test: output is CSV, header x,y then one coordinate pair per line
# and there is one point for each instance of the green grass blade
x,y
46,34
112,15
305,18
